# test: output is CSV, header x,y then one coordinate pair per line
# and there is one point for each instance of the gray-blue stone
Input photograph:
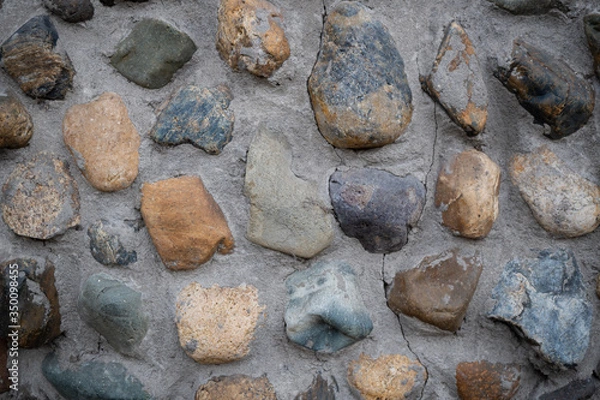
x,y
325,310
115,311
106,244
544,299
93,380
199,116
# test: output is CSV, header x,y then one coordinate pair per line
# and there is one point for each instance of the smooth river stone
x,y
563,202
185,223
467,193
456,81
16,125
31,58
106,242
548,89
71,10
484,380
529,6
103,142
358,88
286,212
544,300
591,23
240,387
250,36
325,310
40,198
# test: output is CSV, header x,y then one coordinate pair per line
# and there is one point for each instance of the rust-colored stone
x,y
239,387
484,380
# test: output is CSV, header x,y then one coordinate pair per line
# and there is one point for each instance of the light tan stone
x,y
216,325
103,141
16,126
236,387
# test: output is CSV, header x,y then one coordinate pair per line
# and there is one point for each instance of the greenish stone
x,y
152,53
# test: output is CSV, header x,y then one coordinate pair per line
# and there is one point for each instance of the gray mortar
x,y
282,103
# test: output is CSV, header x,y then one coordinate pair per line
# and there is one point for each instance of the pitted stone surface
x,y
106,242
16,125
240,387
71,10
483,380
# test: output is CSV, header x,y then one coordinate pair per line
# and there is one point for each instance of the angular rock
x,y
391,376
185,223
250,36
4,382
40,199
563,202
438,291
286,213
92,380
115,311
152,53
376,207
16,125
358,88
591,23
199,116
548,89
216,325
544,300
325,310
106,245
484,380
530,6
467,192
38,314
320,389
111,3
31,58
580,389
456,81
71,10
103,141
236,387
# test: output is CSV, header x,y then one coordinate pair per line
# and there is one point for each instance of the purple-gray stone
x,y
71,10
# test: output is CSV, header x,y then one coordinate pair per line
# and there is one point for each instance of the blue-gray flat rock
x,y
325,310
106,245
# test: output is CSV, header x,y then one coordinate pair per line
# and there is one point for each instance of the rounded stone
x,y
16,125
236,387
71,10
216,325
106,242
484,380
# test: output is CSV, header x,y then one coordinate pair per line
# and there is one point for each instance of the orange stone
x,y
484,380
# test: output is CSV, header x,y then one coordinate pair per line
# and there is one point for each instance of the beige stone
x,y
185,223
216,325
238,387
467,192
103,141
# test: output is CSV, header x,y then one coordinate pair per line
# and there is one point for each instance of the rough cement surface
x,y
282,103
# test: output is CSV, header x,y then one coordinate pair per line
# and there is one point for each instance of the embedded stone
x,y
71,10
591,23
544,300
103,141
484,380
320,389
286,213
456,81
467,192
250,36
325,310
152,53
106,244
358,88
376,207
580,389
31,58
40,199
92,380
16,125
110,3
199,116
185,223
391,376
216,325
563,202
38,318
236,387
530,6
438,291
548,89
115,311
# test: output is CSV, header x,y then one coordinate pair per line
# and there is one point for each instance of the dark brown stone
x,y
484,380
16,126
320,389
236,387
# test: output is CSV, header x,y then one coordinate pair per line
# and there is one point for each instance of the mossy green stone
x,y
152,53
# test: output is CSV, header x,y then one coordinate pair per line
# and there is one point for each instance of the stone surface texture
x,y
376,207
16,125
106,244
199,116
439,290
241,387
529,7
325,310
103,142
286,212
216,325
580,389
456,81
391,376
185,223
71,10
358,87
483,380
251,37
545,300
40,199
320,389
467,192
591,24
563,202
